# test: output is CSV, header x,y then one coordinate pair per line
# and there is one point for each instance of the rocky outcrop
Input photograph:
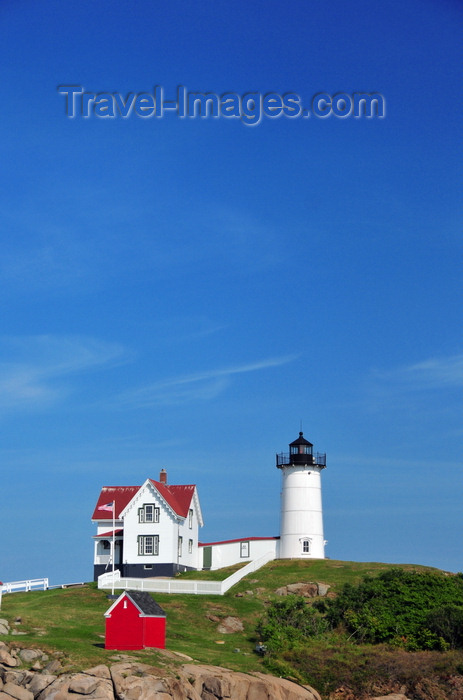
x,y
229,625
129,680
306,590
212,682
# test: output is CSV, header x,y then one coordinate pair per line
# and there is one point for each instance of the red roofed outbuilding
x,y
135,621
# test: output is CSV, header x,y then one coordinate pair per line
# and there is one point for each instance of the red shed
x,y
135,621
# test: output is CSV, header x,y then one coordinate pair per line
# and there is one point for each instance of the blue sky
x,y
183,293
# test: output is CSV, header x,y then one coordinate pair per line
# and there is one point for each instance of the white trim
x,y
127,595
150,485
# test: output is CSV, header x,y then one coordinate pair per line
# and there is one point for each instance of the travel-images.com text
x,y
250,107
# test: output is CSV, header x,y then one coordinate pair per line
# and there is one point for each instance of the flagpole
x,y
114,540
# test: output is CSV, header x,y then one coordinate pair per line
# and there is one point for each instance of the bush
x,y
405,608
288,622
446,622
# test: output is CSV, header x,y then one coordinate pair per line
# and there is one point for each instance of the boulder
x,y
57,690
71,686
323,589
17,677
309,589
29,655
53,666
83,684
134,681
214,618
229,625
100,671
39,682
215,683
306,590
6,658
18,692
282,591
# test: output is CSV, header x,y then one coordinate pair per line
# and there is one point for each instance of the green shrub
x,y
405,608
288,622
446,622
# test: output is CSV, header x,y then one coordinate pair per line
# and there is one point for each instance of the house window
x,y
305,546
148,545
180,546
244,550
190,546
148,514
105,544
190,518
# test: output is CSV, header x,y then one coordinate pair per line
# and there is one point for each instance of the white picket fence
x,y
31,584
162,585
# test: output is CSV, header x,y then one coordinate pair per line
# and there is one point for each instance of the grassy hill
x,y
72,620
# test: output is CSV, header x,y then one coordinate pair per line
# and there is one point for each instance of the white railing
x,y
29,585
248,569
102,559
106,580
162,585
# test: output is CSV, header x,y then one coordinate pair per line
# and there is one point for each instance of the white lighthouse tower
x,y
301,524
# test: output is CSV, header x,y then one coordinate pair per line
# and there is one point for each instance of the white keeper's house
x,y
154,527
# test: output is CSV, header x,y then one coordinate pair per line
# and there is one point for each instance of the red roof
x,y
122,495
109,534
177,497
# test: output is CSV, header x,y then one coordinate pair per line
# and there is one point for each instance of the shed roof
x,y
146,603
143,601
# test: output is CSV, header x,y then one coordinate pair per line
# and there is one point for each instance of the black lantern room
x,y
301,454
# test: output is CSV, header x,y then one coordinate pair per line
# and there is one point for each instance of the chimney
x,y
163,476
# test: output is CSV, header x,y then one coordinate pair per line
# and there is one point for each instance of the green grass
x,y
332,572
72,620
